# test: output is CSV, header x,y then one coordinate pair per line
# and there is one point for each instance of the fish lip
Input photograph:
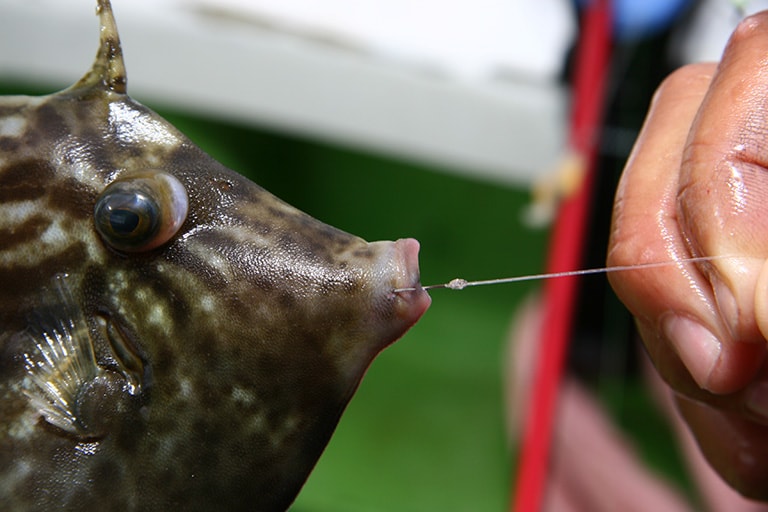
x,y
412,303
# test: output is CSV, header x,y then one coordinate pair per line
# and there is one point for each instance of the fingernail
x,y
697,347
757,400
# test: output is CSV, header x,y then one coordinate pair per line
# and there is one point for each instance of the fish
x,y
172,336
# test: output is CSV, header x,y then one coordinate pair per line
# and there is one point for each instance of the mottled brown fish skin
x,y
224,357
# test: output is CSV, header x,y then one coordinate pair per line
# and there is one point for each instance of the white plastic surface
x,y
496,112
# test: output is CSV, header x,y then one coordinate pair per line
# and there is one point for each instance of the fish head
x,y
171,333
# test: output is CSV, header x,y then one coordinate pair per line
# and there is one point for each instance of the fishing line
x,y
460,284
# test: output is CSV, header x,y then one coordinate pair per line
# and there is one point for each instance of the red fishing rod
x,y
565,251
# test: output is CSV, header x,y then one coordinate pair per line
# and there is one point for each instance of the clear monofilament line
x,y
460,284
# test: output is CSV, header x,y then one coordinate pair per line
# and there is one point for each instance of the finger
x,y
723,202
673,305
714,492
734,446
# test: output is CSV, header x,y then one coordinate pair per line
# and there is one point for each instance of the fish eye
x,y
141,211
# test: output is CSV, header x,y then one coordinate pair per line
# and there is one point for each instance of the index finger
x,y
674,306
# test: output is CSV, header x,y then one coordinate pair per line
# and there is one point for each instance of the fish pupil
x,y
131,214
123,222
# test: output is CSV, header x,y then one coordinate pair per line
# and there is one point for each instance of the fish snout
x,y
403,272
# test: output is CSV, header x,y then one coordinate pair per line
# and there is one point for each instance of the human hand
x,y
696,184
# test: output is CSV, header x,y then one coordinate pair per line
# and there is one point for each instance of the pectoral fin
x,y
65,383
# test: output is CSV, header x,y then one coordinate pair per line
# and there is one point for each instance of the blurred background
x,y
398,118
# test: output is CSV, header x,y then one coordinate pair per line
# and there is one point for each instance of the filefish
x,y
172,336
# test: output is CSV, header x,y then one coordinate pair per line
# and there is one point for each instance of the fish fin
x,y
108,70
60,360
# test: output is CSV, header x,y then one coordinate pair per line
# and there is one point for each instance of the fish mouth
x,y
411,300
